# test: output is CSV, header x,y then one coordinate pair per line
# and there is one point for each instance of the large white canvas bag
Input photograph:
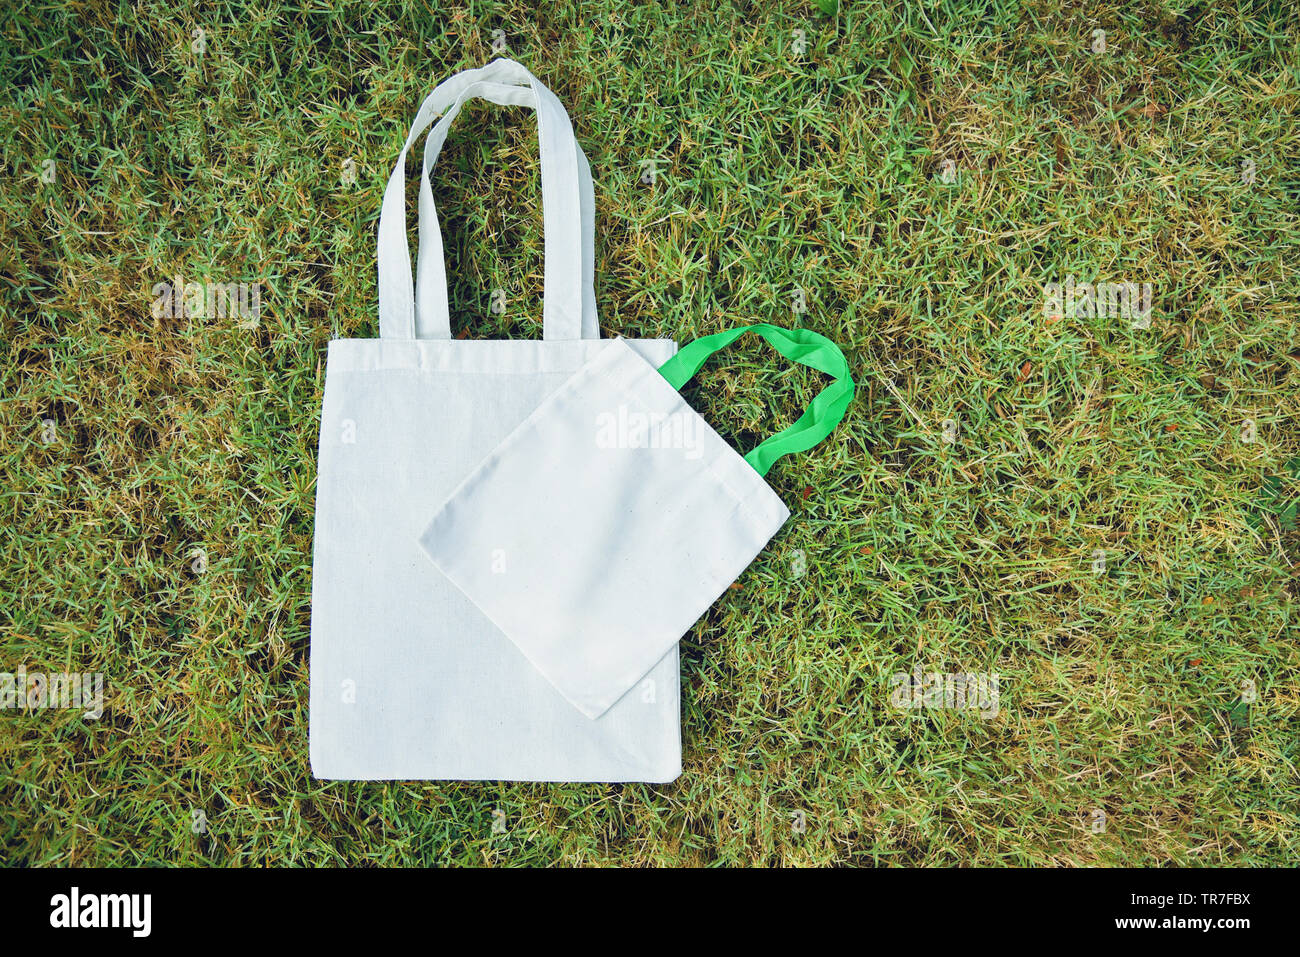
x,y
604,525
409,679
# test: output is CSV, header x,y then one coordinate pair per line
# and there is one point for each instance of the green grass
x,y
1121,691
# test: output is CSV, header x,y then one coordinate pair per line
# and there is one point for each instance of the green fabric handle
x,y
799,345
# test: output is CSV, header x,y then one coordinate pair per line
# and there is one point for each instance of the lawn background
x,y
219,156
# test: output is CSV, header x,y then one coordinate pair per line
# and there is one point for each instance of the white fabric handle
x,y
568,211
433,319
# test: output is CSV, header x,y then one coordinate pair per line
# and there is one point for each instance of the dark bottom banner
x,y
140,907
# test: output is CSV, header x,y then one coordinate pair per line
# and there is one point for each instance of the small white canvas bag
x,y
604,525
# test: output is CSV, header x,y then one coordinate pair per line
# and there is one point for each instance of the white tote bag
x,y
409,680
619,515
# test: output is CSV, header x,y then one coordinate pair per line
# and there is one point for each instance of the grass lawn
x,y
1097,509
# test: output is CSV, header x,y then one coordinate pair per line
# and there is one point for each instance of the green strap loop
x,y
799,345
